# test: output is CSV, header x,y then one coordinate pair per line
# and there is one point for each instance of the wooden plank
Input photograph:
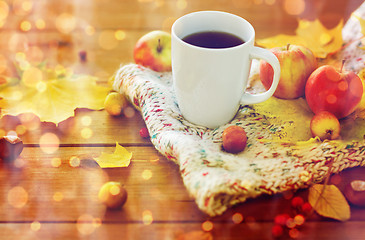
x,y
177,230
87,127
149,14
63,193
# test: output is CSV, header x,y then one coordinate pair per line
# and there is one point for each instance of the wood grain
x,y
52,194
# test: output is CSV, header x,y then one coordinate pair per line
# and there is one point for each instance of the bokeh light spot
x,y
56,162
74,161
41,86
343,85
107,40
65,23
40,24
294,233
17,197
30,121
147,174
4,10
86,224
147,217
25,26
22,7
27,5
237,218
114,190
49,143
86,120
181,4
32,76
35,226
20,129
86,133
58,196
120,35
325,38
89,30
207,226
294,7
331,99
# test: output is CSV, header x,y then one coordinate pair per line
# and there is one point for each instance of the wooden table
x,y
56,197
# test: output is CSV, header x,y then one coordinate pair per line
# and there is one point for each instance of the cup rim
x,y
251,39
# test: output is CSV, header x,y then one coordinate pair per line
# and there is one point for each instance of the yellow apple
x,y
325,125
113,195
296,64
114,103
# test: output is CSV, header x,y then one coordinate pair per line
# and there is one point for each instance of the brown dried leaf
x,y
328,201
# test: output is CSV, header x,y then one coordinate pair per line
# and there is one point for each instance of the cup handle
x,y
261,53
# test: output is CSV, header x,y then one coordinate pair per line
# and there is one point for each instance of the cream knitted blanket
x,y
217,179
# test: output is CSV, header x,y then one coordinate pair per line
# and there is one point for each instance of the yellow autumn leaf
x,y
52,97
293,119
328,201
120,158
311,34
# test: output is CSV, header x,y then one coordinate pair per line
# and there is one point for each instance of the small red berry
x,y
277,231
306,208
281,219
297,202
144,133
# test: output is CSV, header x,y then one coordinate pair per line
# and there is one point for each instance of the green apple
x,y
296,64
153,50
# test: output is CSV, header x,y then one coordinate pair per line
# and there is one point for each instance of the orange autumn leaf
x,y
51,94
120,158
328,201
311,34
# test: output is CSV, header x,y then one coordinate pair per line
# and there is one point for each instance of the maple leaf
x,y
328,201
311,34
120,158
51,94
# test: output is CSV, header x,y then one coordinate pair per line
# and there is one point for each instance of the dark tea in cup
x,y
213,39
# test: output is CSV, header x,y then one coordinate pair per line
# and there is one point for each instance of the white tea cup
x,y
210,83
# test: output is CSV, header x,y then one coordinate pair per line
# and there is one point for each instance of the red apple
x,y
325,125
153,50
338,92
296,64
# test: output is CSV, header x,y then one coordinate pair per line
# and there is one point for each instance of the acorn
x,y
355,193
